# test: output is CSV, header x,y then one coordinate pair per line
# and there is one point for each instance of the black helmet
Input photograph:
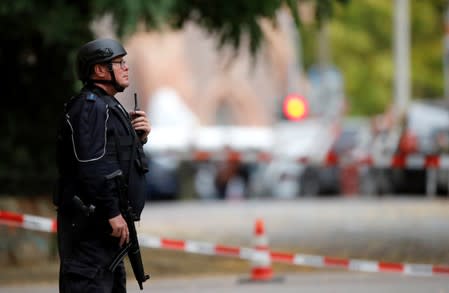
x,y
95,52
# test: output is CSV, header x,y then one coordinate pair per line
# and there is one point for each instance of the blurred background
x,y
247,99
369,81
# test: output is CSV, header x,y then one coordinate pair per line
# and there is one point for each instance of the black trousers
x,y
85,254
103,281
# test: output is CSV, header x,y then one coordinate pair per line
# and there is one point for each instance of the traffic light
x,y
294,107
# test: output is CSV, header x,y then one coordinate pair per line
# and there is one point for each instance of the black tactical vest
x,y
121,146
129,152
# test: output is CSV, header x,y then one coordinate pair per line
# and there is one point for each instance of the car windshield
x,y
424,119
346,140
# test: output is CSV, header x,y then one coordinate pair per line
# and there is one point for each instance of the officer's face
x,y
121,71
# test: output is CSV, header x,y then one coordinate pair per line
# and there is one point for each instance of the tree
x,y
361,41
36,48
38,43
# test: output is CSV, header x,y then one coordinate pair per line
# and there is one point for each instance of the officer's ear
x,y
100,70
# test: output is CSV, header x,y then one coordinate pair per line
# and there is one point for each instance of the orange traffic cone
x,y
261,270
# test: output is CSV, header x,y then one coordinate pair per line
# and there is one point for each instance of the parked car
x,y
424,132
162,179
341,173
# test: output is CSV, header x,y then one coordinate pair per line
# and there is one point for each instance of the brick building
x,y
219,86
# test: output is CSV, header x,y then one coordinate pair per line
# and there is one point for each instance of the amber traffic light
x,y
295,107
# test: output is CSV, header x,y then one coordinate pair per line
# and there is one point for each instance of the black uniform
x,y
95,139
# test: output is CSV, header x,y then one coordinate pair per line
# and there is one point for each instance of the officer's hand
x,y
140,122
119,229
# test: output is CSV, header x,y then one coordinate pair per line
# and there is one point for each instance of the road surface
x,y
397,229
387,229
309,282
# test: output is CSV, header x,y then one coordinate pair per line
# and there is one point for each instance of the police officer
x,y
97,137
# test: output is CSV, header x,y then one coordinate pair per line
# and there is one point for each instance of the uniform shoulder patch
x,y
91,97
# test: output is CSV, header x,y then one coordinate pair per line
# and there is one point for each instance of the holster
x,y
74,216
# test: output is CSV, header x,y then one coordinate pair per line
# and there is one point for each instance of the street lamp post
x,y
401,56
446,53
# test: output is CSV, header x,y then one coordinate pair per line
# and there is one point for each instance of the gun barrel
x,y
134,255
132,248
146,277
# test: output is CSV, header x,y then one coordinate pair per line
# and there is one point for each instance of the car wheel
x,y
310,185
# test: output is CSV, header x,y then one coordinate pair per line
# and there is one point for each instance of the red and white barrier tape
x,y
206,248
28,221
292,258
411,161
408,161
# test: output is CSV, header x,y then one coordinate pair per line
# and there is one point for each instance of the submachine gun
x,y
132,248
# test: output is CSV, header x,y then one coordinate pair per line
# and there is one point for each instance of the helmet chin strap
x,y
112,81
117,87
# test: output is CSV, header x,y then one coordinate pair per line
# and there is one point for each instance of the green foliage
x,y
361,46
128,14
325,9
427,29
228,20
361,39
36,50
220,18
